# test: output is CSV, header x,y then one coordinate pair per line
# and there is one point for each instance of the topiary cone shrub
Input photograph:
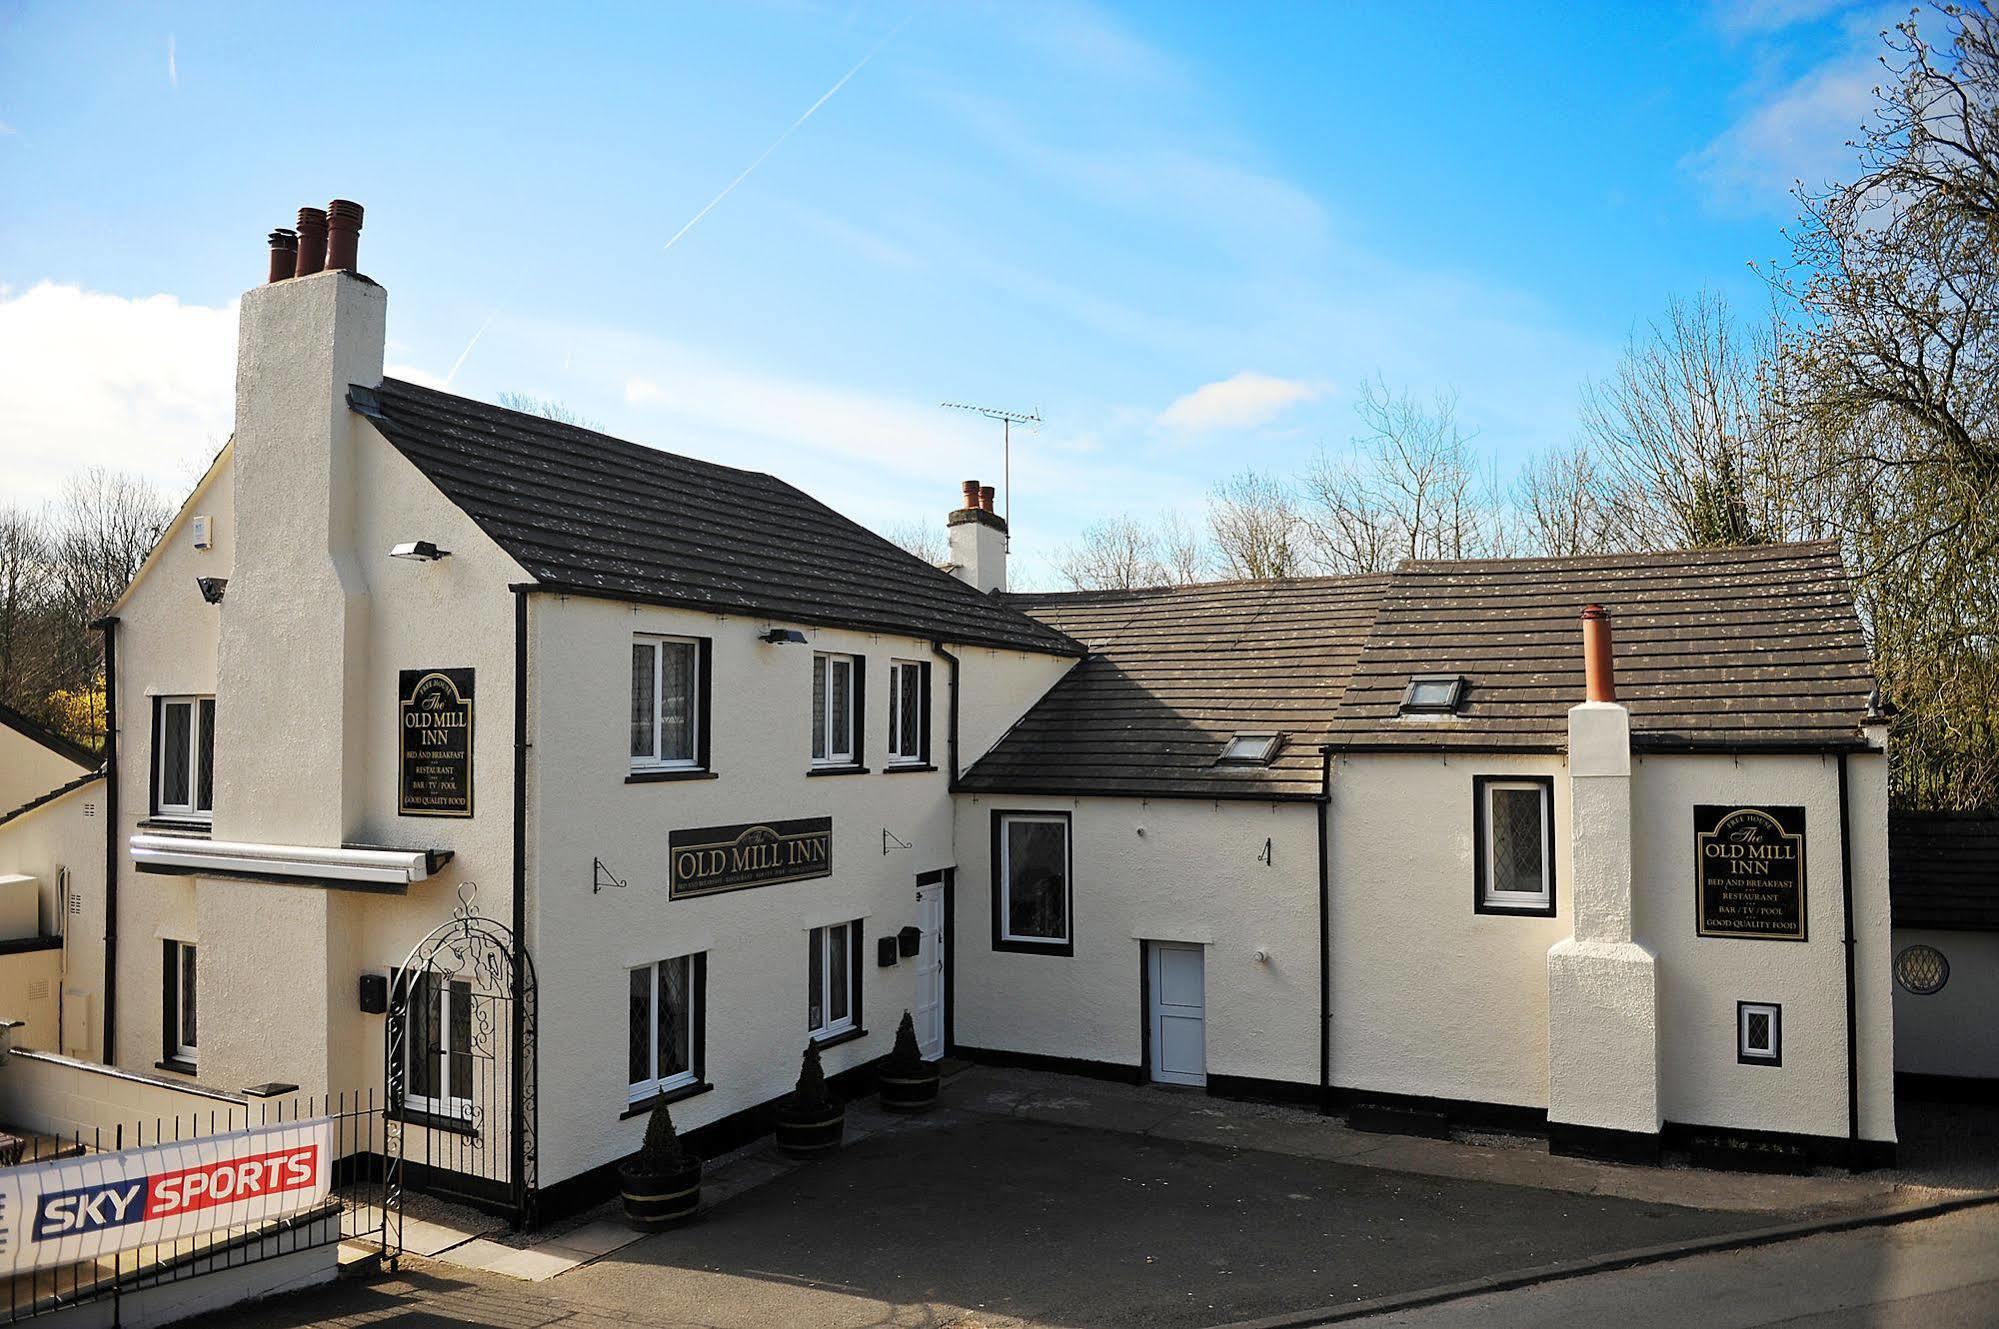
x,y
908,1082
809,1121
661,1183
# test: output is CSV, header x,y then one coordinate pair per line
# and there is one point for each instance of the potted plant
x,y
809,1120
662,1181
908,1082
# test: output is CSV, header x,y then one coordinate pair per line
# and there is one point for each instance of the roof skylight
x,y
1433,694
1249,749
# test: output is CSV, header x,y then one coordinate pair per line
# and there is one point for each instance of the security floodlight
x,y
782,636
422,551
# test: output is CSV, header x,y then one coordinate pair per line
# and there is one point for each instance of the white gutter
x,y
188,855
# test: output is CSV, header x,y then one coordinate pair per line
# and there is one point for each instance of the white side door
x,y
1178,1015
928,1013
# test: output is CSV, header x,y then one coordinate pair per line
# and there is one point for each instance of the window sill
x,y
662,777
432,1121
189,824
178,1065
844,1036
672,1096
901,767
1063,948
838,770
1530,910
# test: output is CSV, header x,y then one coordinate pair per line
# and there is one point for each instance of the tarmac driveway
x,y
992,1221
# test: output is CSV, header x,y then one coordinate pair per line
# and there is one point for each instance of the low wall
x,y
61,1096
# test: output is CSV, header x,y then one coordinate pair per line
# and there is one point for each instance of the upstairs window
x,y
836,708
669,703
184,757
1249,750
1514,820
1433,694
909,713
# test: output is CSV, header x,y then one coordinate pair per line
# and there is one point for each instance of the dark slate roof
x,y
1714,649
1943,870
47,737
1172,674
596,515
50,797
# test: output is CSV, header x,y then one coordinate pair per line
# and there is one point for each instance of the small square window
x,y
1433,694
1249,750
1759,1033
1514,851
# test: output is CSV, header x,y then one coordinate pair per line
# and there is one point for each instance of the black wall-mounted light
x,y
422,551
212,588
782,637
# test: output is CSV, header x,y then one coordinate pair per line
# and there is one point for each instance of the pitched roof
x,y
1727,648
1943,870
71,787
599,516
48,738
1173,674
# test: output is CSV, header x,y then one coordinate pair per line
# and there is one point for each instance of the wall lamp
x,y
782,636
212,588
423,551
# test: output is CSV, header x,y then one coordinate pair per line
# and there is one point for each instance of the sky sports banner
x,y
78,1208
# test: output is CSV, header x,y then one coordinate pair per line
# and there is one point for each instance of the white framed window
x,y
1759,1033
1514,820
833,979
177,1005
664,1026
908,713
438,1046
836,686
668,706
184,757
1031,887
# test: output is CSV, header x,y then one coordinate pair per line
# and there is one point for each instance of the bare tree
x,y
25,595
1412,487
1566,503
920,538
1257,526
548,409
1120,553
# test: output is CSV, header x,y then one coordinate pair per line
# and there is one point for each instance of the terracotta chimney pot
x,y
971,494
311,242
284,254
1599,679
343,234
985,498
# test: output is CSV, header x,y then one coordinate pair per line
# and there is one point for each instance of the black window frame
x,y
1481,904
639,1093
639,769
1743,1055
892,713
1000,888
177,1020
822,1034
857,713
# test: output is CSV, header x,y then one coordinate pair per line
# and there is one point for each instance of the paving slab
x,y
535,1263
431,1239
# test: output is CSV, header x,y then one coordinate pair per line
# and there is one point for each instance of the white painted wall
x,y
1702,978
995,690
1193,875
1952,1032
1429,997
67,835
28,770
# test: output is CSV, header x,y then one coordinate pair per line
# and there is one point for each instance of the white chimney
x,y
978,540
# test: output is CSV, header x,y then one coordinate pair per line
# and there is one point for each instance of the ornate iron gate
x,y
460,1068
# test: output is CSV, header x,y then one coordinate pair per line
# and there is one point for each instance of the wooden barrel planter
x,y
910,1091
811,1131
656,1200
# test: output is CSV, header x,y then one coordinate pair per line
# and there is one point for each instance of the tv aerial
x,y
1007,419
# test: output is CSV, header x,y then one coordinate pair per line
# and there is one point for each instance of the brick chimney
x,y
1603,1005
978,540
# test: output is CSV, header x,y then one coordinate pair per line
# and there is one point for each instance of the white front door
x,y
929,1011
1179,1040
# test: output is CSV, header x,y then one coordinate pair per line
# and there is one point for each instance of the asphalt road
x,y
1941,1273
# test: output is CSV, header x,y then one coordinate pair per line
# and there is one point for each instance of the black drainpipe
x,y
109,626
951,739
523,1217
1325,933
1846,896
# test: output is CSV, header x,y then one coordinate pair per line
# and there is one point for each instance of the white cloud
x,y
1246,401
1798,134
1743,16
143,385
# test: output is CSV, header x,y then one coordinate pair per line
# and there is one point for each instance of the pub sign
x,y
434,721
1749,872
714,859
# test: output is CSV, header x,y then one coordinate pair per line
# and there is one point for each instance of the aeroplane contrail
x,y
459,363
827,96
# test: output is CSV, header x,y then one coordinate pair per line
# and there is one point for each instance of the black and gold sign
x,y
435,719
1749,872
729,858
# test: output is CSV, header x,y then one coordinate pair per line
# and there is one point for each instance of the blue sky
x,y
1184,233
